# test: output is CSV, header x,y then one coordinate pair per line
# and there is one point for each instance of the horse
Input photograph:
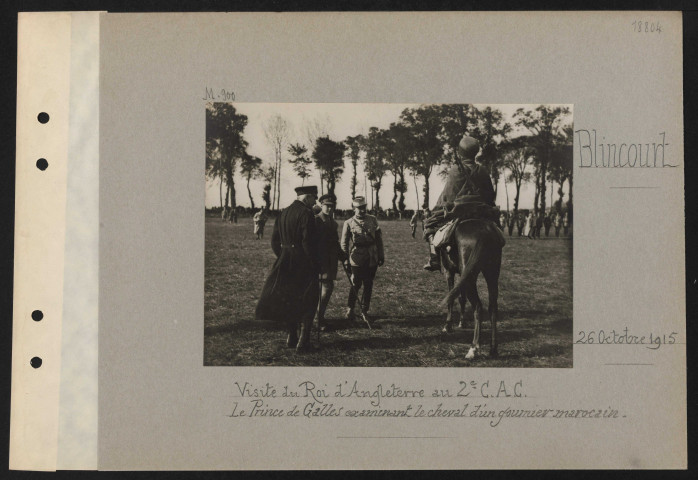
x,y
476,248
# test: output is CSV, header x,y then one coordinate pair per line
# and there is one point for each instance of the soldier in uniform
x,y
467,184
417,217
530,229
290,293
260,219
365,255
547,222
539,224
330,254
558,223
520,223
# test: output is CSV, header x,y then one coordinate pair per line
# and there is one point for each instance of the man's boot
x,y
434,263
366,297
326,288
304,340
349,315
353,293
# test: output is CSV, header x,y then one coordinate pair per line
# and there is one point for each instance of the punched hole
x,y
37,315
42,164
36,362
43,117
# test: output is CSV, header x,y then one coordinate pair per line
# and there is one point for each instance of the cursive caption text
x,y
490,400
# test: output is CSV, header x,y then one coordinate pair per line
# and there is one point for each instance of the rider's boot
x,y
434,263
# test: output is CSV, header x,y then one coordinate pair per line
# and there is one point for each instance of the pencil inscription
x,y
221,95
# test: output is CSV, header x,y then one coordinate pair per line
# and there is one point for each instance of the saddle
x,y
461,213
443,235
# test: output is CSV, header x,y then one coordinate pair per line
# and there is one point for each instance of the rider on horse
x,y
468,194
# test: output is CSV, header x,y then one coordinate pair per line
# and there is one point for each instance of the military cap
x,y
328,199
469,146
307,190
358,202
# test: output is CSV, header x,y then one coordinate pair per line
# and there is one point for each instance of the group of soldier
x,y
531,225
308,250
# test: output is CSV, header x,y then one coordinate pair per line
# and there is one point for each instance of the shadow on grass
x,y
270,326
509,352
244,326
389,342
335,324
412,320
516,346
563,325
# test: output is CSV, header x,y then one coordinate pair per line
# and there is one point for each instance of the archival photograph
x,y
388,235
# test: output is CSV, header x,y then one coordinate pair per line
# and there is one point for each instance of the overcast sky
x,y
343,119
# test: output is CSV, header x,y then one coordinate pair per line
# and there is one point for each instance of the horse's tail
x,y
467,270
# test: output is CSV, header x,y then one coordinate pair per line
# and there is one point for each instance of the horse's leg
x,y
461,300
448,327
292,338
491,273
474,298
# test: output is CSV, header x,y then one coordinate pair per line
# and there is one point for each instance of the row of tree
x,y
536,148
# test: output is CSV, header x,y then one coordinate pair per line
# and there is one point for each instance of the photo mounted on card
x,y
377,216
268,241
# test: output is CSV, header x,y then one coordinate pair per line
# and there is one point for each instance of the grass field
x,y
535,307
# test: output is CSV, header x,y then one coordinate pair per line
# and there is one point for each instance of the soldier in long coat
x,y
365,255
290,293
468,185
330,253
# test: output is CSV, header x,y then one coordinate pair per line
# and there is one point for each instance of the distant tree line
x,y
536,148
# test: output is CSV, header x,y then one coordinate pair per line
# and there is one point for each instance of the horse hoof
x,y
448,328
494,353
471,354
461,325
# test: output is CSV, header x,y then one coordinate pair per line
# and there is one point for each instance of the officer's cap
x,y
358,202
328,199
307,190
469,146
